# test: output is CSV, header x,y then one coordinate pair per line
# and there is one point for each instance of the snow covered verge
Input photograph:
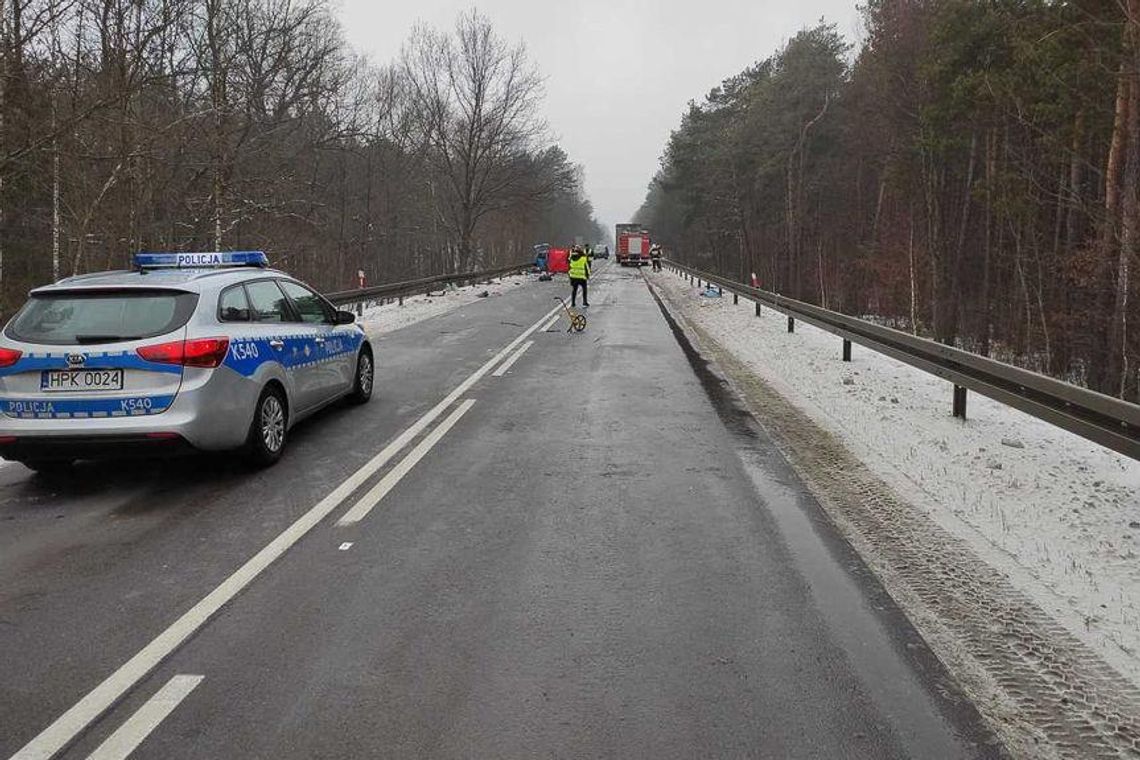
x,y
1055,514
378,320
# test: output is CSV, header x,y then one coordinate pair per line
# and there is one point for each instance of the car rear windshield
x,y
93,317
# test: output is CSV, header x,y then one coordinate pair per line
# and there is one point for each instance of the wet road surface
x,y
594,554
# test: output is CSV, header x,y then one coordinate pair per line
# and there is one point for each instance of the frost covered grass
x,y
1058,515
386,318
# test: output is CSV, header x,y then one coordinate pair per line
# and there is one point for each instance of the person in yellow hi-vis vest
x,y
579,276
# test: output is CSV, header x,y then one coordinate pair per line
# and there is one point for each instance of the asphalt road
x,y
601,557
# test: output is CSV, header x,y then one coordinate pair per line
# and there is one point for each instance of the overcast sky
x,y
618,72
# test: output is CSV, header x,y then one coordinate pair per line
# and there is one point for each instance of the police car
x,y
203,351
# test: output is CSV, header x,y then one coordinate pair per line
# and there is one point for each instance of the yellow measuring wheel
x,y
577,318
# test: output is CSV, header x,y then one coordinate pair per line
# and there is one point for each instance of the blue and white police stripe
x,y
85,408
35,362
246,355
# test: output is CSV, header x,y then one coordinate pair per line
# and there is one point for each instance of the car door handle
x,y
318,340
277,344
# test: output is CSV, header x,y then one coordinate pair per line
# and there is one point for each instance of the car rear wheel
x,y
267,433
365,377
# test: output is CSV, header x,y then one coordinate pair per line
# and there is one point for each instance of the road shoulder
x,y
1042,690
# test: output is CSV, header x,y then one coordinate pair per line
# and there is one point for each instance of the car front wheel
x,y
365,378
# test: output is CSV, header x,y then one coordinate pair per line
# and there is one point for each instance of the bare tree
x,y
183,124
476,99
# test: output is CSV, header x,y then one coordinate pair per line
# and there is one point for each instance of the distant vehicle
x,y
632,245
541,254
601,252
205,351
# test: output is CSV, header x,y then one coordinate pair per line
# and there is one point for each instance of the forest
x,y
130,125
969,172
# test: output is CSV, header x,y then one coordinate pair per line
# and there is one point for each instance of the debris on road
x,y
378,320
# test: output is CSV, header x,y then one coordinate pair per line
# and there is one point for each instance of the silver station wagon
x,y
203,351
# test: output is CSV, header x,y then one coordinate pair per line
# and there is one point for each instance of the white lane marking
x,y
66,727
502,370
346,546
119,745
369,500
550,324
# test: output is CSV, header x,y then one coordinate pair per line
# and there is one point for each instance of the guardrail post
x,y
401,300
791,324
959,402
757,308
360,308
846,350
735,299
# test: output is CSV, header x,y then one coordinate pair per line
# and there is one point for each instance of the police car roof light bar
x,y
204,260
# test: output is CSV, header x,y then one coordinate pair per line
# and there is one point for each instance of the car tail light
x,y
164,353
9,356
201,352
6,439
206,352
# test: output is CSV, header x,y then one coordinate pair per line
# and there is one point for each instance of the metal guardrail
x,y
1108,421
400,290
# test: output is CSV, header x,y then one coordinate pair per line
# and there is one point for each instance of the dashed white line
x,y
361,509
550,324
119,745
502,370
345,546
66,727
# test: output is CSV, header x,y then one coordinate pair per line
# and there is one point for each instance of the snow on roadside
x,y
378,320
1060,516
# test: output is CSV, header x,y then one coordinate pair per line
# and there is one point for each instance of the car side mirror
x,y
345,317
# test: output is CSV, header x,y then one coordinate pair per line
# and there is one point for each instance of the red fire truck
x,y
632,245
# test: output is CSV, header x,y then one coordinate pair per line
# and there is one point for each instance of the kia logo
x,y
76,360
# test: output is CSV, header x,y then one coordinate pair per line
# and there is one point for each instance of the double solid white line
x,y
64,729
550,324
119,745
364,506
361,509
502,370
